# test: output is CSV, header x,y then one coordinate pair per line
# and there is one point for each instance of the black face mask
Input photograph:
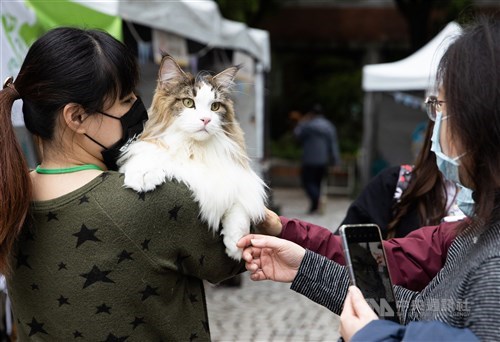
x,y
132,125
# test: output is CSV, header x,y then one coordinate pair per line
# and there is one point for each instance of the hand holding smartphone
x,y
367,265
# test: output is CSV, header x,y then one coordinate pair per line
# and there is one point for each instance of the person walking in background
x,y
318,137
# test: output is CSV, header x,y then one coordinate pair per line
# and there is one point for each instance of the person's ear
x,y
74,117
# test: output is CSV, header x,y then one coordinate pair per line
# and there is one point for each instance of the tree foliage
x,y
250,12
417,14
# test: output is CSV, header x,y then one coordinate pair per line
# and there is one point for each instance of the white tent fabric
x,y
107,7
415,72
199,20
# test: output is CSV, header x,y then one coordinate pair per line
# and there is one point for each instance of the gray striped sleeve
x,y
404,300
323,281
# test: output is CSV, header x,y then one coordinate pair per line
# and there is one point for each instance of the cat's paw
x,y
234,252
144,180
235,225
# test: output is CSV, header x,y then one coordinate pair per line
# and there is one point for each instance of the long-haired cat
x,y
192,135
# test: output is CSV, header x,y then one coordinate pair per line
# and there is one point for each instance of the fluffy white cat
x,y
192,135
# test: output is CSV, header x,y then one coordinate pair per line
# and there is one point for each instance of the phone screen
x,y
365,258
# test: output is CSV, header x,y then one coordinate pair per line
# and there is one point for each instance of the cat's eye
x,y
187,102
215,106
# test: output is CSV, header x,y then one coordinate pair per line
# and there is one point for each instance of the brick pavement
x,y
268,311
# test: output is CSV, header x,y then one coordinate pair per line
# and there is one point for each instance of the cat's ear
x,y
169,71
226,77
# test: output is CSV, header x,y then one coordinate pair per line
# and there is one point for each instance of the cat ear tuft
x,y
169,70
226,77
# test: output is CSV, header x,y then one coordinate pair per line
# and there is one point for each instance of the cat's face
x,y
200,107
200,111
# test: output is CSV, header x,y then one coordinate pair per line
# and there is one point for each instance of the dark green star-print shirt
x,y
105,263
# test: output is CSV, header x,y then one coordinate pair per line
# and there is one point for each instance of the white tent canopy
x,y
206,25
415,72
197,20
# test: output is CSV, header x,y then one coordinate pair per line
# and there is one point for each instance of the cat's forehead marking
x,y
206,91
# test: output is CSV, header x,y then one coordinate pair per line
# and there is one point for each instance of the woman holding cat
x,y
466,133
76,245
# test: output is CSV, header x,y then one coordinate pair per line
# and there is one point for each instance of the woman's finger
x,y
359,305
347,311
247,254
259,275
245,241
266,241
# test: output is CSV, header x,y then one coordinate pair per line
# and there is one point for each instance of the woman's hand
x,y
270,258
356,313
271,224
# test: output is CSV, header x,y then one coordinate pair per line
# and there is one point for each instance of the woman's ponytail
x,y
15,183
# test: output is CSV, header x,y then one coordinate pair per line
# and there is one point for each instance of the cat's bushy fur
x,y
192,135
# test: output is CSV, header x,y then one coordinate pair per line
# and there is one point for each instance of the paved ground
x,y
268,311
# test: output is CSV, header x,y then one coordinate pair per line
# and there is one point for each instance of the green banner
x,y
52,14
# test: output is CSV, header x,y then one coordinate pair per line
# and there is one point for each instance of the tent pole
x,y
366,155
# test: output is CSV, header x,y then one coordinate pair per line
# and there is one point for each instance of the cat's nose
x,y
206,120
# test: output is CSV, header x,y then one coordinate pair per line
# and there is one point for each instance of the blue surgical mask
x,y
449,168
447,165
464,200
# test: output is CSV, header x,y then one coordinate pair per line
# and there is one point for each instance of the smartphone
x,y
367,265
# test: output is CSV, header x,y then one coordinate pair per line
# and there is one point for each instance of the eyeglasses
x,y
432,106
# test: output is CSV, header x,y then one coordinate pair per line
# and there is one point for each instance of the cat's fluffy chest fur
x,y
199,144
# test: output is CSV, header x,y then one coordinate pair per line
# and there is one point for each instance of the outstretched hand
x,y
271,258
271,225
356,313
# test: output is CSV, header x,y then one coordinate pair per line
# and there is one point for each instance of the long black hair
x,y
470,78
72,65
66,65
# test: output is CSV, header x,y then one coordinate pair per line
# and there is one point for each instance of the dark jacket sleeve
x,y
374,204
383,330
413,260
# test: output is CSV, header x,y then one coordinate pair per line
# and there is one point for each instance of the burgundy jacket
x,y
413,260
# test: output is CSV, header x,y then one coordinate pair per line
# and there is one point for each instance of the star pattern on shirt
x,y
85,234
36,327
63,300
124,255
137,321
103,308
105,275
96,275
22,260
51,216
104,175
142,196
148,292
174,212
145,244
84,199
113,338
